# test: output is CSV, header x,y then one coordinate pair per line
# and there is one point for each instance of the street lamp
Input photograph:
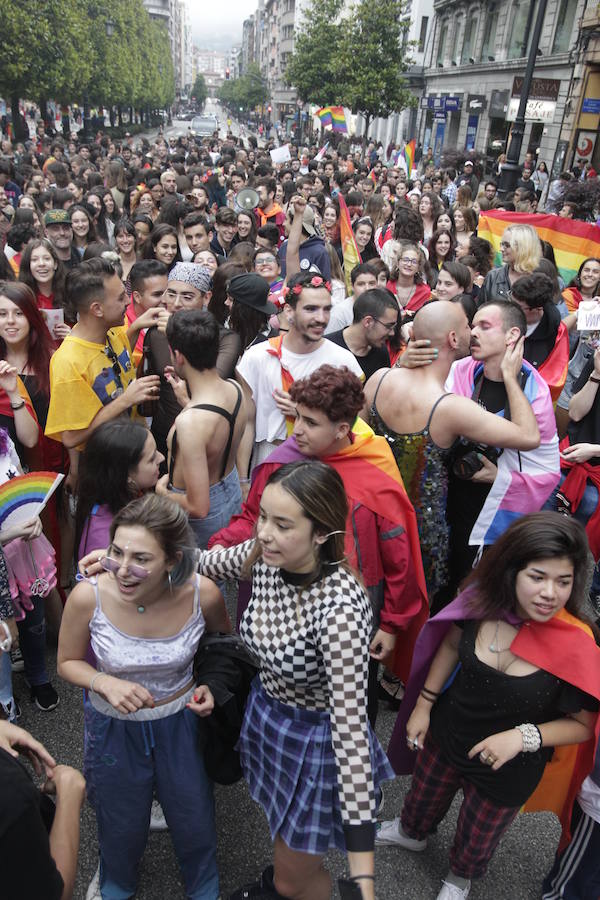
x,y
109,27
511,169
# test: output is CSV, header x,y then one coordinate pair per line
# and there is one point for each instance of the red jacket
x,y
382,549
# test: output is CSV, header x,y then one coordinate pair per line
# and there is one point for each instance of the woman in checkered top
x,y
308,753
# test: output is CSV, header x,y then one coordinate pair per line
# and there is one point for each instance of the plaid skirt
x,y
289,764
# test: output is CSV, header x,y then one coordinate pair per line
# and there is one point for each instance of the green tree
x,y
244,93
374,54
353,56
314,66
200,91
45,50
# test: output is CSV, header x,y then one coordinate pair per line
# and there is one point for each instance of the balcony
x,y
288,18
287,45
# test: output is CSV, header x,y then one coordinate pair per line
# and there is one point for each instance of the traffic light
x,y
269,109
227,73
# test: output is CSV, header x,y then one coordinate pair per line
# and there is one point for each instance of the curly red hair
x,y
334,390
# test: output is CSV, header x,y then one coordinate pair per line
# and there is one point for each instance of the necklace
x,y
493,646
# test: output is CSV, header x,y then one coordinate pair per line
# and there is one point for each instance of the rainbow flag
x,y
373,177
334,116
572,241
409,156
349,248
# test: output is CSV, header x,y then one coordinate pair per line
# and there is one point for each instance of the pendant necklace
x,y
493,646
141,609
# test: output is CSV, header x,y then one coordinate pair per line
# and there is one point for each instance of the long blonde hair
x,y
526,247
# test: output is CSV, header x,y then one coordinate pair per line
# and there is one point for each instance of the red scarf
x,y
573,488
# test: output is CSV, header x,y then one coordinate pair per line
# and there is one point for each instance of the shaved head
x,y
437,319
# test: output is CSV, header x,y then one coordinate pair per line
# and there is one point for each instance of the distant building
x,y
173,14
578,142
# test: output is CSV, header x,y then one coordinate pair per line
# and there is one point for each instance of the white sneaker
x,y
390,834
453,892
157,818
93,891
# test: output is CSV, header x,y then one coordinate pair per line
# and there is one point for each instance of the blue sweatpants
x,y
575,874
124,762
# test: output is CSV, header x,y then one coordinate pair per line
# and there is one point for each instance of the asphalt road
x,y
244,847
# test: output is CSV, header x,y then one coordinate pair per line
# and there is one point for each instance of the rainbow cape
x,y
333,116
25,496
565,647
554,368
373,177
409,156
572,241
525,479
349,249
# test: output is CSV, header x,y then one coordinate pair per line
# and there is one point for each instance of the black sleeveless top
x,y
231,418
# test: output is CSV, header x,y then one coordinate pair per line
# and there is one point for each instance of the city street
x,y
244,848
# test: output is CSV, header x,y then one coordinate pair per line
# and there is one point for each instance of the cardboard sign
x,y
281,154
588,315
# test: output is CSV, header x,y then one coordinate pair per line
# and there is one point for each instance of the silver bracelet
x,y
6,643
97,675
532,738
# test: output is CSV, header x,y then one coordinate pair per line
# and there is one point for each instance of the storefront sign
x,y
535,111
471,132
591,105
541,88
476,103
584,146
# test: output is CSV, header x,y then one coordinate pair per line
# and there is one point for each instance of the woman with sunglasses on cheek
x,y
145,616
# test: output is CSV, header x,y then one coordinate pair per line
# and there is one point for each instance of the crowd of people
x,y
395,465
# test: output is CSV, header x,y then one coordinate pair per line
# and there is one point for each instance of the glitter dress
x,y
421,464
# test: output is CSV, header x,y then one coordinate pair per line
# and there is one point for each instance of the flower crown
x,y
316,281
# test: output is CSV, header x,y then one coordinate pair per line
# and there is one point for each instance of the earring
x,y
170,583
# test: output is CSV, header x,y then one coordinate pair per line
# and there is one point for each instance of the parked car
x,y
204,126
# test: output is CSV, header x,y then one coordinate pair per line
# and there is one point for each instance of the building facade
x,y
473,73
579,141
173,14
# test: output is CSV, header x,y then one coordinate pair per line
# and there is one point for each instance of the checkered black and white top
x,y
313,647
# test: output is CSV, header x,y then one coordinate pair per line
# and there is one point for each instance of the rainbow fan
x,y
25,496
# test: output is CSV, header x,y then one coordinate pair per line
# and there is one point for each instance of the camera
x,y
465,461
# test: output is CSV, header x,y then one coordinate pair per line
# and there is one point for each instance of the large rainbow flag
x,y
349,248
409,156
572,241
334,116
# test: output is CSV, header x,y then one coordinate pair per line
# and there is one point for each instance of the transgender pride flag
x,y
525,478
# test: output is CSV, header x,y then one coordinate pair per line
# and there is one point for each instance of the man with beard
x,y
268,369
421,421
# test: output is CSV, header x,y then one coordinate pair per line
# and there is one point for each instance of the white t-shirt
x,y
342,315
262,373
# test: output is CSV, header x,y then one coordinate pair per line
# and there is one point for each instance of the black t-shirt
x,y
586,431
377,357
465,497
483,701
28,870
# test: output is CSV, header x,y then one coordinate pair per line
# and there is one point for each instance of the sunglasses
x,y
113,565
116,365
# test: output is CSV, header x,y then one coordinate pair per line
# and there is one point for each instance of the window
x,y
423,34
470,38
564,26
488,47
519,34
442,44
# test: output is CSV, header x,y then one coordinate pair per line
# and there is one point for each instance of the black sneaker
x,y
17,663
263,889
44,696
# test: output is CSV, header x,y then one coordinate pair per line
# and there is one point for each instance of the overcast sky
x,y
218,25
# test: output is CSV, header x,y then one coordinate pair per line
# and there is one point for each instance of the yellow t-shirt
x,y
83,380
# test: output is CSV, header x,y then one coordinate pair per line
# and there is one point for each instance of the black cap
x,y
252,290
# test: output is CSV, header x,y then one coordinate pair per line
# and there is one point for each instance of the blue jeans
x,y
125,761
6,692
32,640
225,502
585,510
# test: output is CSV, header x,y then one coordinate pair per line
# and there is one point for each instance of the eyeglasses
x,y
389,326
264,260
504,245
114,565
409,262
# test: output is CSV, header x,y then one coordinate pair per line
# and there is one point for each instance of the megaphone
x,y
247,199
